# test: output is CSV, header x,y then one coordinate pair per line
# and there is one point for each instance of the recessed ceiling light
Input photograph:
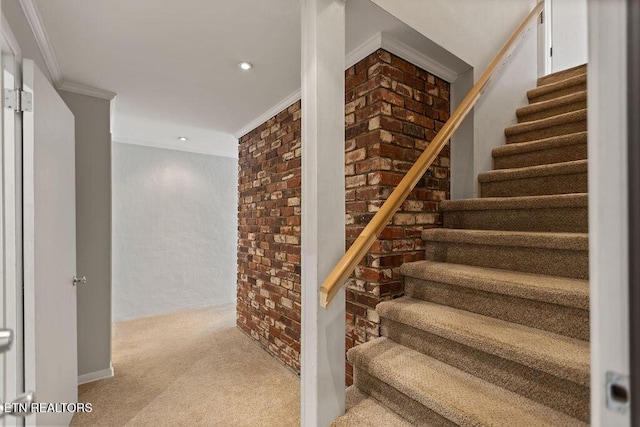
x,y
245,66
183,138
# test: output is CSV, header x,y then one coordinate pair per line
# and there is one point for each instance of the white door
x,y
50,333
568,33
544,40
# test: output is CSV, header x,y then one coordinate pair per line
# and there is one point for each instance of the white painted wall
x,y
174,230
475,31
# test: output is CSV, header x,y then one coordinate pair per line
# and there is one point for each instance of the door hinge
x,y
18,100
6,339
542,17
551,51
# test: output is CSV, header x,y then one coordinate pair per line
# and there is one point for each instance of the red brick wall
x,y
268,303
393,110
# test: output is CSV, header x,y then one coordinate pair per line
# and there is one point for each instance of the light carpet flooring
x,y
191,368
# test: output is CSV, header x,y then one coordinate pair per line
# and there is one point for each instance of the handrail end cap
x,y
324,299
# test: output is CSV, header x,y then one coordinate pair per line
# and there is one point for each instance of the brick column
x,y
393,111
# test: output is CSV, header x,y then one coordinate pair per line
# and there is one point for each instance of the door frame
x,y
11,251
544,40
609,221
633,112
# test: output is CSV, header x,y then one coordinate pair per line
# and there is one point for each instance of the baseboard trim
x,y
95,376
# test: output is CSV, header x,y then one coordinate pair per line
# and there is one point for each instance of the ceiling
x,y
173,64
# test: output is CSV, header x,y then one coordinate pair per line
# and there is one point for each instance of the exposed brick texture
x,y
393,110
269,235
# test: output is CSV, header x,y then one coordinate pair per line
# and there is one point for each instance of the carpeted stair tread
x,y
456,395
566,241
576,200
544,151
564,168
561,124
493,329
555,178
549,213
562,87
557,120
539,287
562,75
552,107
564,357
555,254
558,319
364,410
540,144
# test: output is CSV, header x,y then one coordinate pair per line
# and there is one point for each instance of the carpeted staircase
x,y
494,327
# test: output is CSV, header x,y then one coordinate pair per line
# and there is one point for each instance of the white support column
x,y
608,205
323,209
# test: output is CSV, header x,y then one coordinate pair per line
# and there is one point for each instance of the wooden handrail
x,y
363,243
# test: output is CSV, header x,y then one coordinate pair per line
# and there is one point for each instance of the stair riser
x,y
567,108
558,93
568,321
570,220
549,156
413,411
564,129
565,396
554,262
536,186
562,75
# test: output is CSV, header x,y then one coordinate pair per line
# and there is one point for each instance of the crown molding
x,y
81,89
39,31
285,103
210,148
365,49
379,40
34,19
112,114
417,58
